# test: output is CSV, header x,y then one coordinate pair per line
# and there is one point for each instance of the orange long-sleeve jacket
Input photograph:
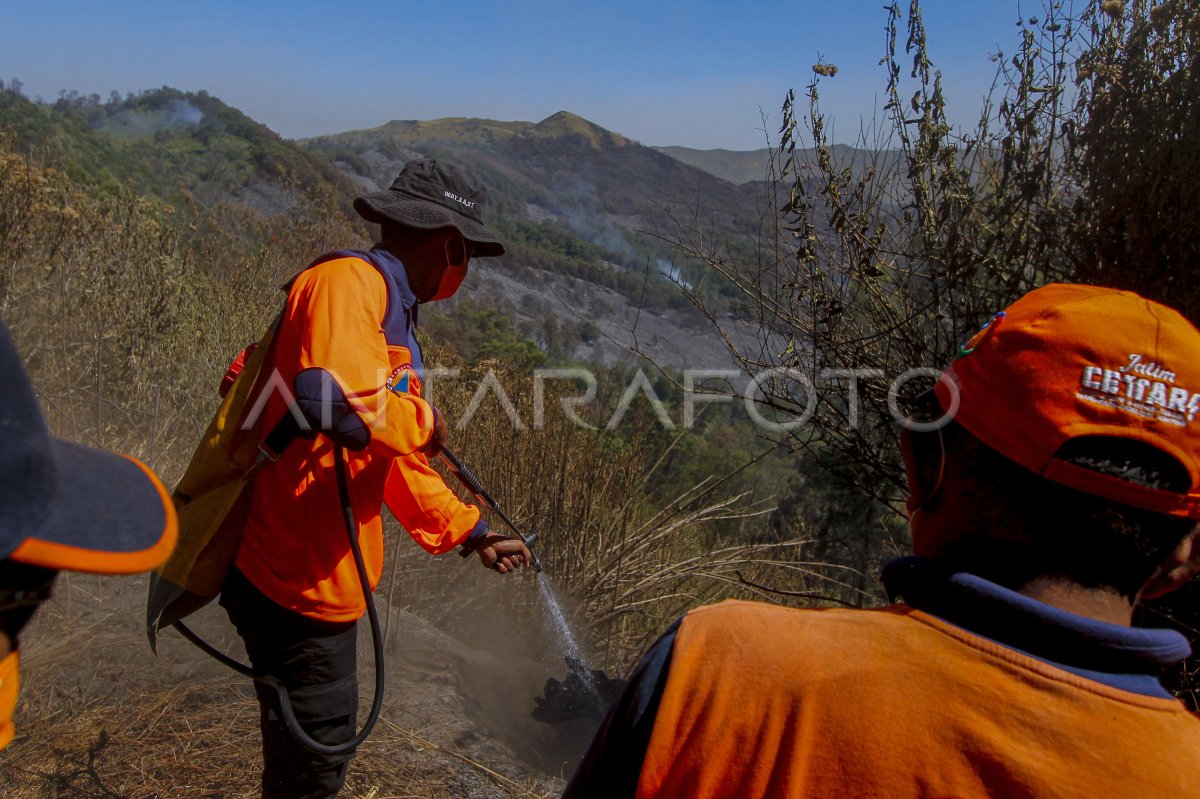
x,y
350,314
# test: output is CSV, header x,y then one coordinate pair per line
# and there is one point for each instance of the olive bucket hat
x,y
429,193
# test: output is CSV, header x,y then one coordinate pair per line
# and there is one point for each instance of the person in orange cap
x,y
63,506
1054,476
348,327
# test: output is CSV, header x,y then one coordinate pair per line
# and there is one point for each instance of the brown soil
x,y
100,716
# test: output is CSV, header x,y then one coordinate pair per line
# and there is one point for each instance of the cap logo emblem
x,y
462,200
1140,387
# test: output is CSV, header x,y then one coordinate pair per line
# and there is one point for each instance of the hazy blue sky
x,y
690,73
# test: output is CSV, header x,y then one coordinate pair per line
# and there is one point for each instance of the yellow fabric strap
x,y
10,683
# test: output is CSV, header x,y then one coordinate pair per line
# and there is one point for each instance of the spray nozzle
x,y
530,540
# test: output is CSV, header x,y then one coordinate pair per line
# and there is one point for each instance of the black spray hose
x,y
285,703
468,478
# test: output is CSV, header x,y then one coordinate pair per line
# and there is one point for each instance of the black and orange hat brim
x,y
110,515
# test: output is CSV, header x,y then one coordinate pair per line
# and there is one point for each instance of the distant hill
x,y
171,145
736,166
563,170
747,166
563,180
587,214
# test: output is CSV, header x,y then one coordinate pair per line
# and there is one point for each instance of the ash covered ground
x,y
101,716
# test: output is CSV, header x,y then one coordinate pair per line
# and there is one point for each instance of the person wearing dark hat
x,y
294,593
63,506
1054,478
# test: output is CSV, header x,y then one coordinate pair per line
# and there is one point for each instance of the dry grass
x,y
180,742
190,742
632,558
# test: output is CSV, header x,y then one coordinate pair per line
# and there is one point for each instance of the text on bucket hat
x,y
429,193
67,506
1066,362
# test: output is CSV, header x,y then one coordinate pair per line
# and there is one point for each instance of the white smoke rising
x,y
181,113
178,113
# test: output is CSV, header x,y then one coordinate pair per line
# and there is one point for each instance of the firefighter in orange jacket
x,y
294,594
1055,483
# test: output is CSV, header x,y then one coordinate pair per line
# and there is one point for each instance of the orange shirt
x,y
764,701
294,548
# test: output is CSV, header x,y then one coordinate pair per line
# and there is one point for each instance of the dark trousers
x,y
317,662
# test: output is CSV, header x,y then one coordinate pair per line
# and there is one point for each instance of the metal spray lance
x,y
468,479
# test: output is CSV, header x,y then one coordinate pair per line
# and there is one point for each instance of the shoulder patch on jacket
x,y
401,379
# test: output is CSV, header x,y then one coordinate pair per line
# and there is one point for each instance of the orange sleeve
x,y
422,502
338,306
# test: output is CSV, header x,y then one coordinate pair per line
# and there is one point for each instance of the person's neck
x,y
1102,604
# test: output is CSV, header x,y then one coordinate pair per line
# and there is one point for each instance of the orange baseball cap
x,y
1068,361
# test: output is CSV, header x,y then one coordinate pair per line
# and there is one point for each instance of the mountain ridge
x,y
588,215
735,166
